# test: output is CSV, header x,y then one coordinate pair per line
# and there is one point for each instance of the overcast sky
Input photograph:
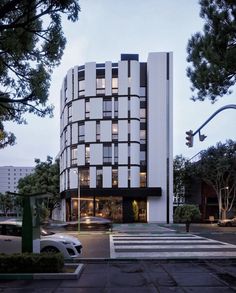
x,y
106,29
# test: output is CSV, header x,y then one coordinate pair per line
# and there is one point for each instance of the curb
x,y
46,276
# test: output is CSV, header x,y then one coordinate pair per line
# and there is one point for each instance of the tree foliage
x,y
187,213
217,168
181,178
45,179
31,45
212,54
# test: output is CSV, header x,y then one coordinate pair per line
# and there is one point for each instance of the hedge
x,y
31,263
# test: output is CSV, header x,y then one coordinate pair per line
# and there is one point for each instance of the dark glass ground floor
x,y
121,205
115,208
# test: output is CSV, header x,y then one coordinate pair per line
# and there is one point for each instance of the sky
x,y
107,28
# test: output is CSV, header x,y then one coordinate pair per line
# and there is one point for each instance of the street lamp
x,y
220,200
78,190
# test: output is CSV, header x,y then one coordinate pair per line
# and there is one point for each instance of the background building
x,y
116,139
10,175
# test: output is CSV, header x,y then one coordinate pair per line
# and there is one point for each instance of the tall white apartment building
x,y
10,175
116,140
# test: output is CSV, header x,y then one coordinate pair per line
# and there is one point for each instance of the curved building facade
x,y
116,140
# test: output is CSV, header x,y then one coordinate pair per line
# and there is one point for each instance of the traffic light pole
x,y
191,134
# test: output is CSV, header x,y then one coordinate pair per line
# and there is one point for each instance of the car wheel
x,y
50,249
228,224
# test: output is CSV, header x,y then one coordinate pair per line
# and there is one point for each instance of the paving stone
x,y
94,267
197,279
120,279
170,290
208,290
162,279
80,290
184,267
133,289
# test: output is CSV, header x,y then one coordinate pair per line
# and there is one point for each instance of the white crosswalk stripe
x,y
168,245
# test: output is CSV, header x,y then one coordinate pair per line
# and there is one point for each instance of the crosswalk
x,y
168,245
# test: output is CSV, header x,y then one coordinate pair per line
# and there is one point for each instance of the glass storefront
x,y
115,208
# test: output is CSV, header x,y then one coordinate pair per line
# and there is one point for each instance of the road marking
x,y
168,245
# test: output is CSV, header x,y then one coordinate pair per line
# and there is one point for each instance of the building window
x,y
99,175
74,156
69,113
142,91
143,179
84,177
143,158
142,115
115,108
98,131
116,153
101,85
107,108
115,85
114,130
114,177
81,132
65,137
142,136
87,109
87,154
107,154
81,87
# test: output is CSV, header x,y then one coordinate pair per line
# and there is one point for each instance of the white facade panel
x,y
81,156
135,153
135,77
134,176
90,131
68,157
78,110
123,107
74,133
105,130
92,177
123,78
90,79
96,110
157,122
156,209
106,178
65,117
108,81
76,88
134,130
69,85
73,178
122,153
123,130
122,176
134,107
96,154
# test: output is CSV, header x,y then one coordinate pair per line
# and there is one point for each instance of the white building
x,y
116,139
10,175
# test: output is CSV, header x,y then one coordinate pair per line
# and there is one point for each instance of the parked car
x,y
10,241
227,222
91,223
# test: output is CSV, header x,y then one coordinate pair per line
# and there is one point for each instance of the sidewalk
x,y
139,277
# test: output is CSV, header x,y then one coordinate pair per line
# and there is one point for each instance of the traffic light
x,y
189,138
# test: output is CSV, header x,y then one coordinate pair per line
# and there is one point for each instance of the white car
x,y
10,241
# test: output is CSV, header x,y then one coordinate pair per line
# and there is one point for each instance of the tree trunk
x,y
187,225
224,213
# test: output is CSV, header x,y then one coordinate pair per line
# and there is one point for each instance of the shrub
x,y
31,263
187,214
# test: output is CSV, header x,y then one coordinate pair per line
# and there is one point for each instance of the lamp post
x,y
78,190
220,201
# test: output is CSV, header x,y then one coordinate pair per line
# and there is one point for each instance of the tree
x,y
45,179
213,52
181,178
10,203
31,45
217,168
187,214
